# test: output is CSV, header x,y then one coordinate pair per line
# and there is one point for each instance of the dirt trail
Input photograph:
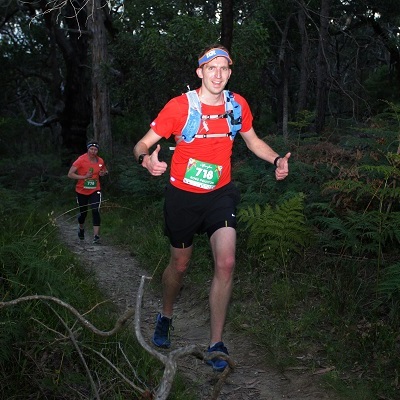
x,y
118,274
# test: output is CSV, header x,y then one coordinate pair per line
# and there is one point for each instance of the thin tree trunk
x,y
227,23
100,91
284,66
303,84
322,66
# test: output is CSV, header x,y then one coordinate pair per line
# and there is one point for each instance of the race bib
x,y
90,184
202,174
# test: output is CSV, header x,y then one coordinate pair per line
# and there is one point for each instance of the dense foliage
x,y
45,352
331,60
318,253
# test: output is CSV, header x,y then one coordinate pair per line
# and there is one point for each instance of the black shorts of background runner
x,y
85,201
187,213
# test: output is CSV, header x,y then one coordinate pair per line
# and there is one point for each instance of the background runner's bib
x,y
202,174
90,184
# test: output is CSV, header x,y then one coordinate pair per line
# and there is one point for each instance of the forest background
x,y
319,254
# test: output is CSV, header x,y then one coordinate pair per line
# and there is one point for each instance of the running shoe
x,y
161,337
96,239
81,233
217,363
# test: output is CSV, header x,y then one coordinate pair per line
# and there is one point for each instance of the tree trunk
x,y
322,67
227,23
391,46
75,117
303,84
100,91
284,66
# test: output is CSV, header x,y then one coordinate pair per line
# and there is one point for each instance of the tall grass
x,y
44,351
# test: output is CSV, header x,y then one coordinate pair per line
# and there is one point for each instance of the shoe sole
x,y
163,346
211,364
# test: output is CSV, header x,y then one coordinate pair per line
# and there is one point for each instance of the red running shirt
x,y
215,151
83,164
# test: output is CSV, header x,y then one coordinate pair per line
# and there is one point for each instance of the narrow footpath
x,y
118,275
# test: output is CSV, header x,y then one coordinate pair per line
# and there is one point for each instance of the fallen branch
x,y
119,324
170,360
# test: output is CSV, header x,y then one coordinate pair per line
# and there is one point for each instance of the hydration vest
x,y
233,114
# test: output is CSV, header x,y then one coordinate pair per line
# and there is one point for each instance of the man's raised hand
x,y
153,165
282,169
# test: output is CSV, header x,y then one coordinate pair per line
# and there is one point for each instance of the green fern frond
x,y
359,233
373,182
393,158
390,193
277,234
344,186
383,171
390,282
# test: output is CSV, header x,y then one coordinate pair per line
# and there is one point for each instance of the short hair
x,y
212,46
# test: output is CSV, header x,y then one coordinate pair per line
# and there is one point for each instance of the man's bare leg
x,y
173,277
223,244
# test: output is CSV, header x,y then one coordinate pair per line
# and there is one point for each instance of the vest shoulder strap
x,y
233,112
193,119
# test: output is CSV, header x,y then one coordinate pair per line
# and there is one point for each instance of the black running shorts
x,y
187,213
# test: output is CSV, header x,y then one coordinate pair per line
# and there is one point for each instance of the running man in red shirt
x,y
200,197
87,169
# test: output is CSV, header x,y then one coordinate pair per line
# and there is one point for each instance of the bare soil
x,y
118,275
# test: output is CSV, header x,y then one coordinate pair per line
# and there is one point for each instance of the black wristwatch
x,y
140,158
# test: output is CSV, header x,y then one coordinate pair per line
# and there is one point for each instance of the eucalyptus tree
x,y
322,65
374,27
324,54
57,37
30,78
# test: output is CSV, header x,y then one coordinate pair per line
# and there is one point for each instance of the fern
x,y
360,234
369,225
390,282
279,234
371,183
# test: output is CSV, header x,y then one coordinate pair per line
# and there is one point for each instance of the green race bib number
x,y
202,174
90,184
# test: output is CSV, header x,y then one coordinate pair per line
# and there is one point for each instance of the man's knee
x,y
180,259
180,266
225,266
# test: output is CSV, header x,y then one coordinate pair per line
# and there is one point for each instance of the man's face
x,y
215,74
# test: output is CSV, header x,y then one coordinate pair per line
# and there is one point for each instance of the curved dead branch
x,y
119,324
169,361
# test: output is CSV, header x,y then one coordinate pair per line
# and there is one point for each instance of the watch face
x,y
140,159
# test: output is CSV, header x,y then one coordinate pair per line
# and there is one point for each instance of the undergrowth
x,y
316,287
316,283
45,351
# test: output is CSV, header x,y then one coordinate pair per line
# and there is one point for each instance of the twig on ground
x,y
128,381
74,342
169,361
220,383
119,324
